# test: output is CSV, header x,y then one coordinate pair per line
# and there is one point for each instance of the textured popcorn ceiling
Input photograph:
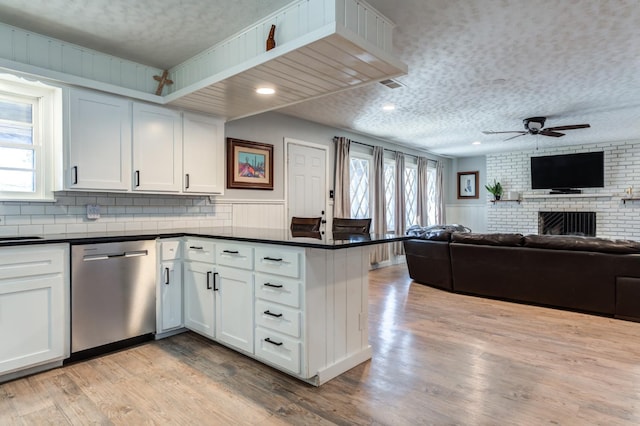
x,y
487,64
473,64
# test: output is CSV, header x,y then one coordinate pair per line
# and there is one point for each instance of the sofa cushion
x,y
580,243
437,235
509,240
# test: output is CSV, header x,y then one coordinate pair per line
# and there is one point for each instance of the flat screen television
x,y
566,173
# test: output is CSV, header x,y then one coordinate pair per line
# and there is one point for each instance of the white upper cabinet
x,y
157,149
203,149
99,142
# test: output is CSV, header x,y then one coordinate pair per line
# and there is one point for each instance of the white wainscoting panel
x,y
258,215
473,216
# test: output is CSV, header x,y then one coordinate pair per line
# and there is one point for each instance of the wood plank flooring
x,y
439,358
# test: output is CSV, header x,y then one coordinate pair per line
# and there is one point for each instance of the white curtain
x,y
400,219
342,180
440,218
379,252
423,192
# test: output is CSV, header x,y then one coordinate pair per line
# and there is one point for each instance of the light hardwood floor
x,y
439,358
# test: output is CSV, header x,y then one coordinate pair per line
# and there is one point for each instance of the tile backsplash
x,y
118,212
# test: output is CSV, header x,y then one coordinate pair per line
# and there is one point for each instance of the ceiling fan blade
x,y
513,137
574,126
549,132
491,132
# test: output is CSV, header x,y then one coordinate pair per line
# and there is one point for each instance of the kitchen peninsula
x,y
296,303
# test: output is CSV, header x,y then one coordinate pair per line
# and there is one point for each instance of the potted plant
x,y
495,189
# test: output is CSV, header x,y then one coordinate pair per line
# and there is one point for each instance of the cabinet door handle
x,y
273,285
273,259
75,174
137,178
196,247
166,276
272,342
267,312
215,274
186,181
230,251
209,280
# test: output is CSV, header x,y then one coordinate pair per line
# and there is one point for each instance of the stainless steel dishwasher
x,y
113,297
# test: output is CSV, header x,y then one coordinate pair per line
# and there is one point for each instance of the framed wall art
x,y
249,165
468,185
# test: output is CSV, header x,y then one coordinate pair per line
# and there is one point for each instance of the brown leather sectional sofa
x,y
586,274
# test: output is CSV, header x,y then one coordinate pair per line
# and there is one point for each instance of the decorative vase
x,y
497,197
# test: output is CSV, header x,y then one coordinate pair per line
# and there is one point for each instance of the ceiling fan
x,y
534,126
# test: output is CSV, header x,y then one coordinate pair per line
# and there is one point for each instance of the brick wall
x,y
118,212
613,218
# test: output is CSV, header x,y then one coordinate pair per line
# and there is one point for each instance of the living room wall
x,y
614,219
468,212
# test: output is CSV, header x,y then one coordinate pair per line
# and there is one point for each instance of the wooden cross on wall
x,y
162,80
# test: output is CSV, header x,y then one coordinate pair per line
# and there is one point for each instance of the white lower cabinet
x,y
300,310
279,350
199,298
34,294
279,315
169,287
234,310
170,295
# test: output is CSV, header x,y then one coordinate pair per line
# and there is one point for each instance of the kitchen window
x,y
27,139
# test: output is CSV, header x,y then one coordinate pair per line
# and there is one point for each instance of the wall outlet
x,y
93,211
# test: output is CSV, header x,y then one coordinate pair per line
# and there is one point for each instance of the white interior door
x,y
306,181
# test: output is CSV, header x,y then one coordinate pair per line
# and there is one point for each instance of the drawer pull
x,y
273,285
209,280
196,247
272,342
166,276
267,312
230,251
273,259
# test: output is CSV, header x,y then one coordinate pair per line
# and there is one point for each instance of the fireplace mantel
x,y
542,196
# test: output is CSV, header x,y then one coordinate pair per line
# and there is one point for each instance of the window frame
x,y
390,162
413,167
369,159
47,134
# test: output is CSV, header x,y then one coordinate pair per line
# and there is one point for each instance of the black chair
x,y
351,226
305,224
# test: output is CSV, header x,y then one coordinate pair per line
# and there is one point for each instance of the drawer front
x,y
278,289
234,254
31,261
278,350
278,318
170,250
199,250
278,260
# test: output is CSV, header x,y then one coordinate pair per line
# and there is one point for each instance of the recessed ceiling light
x,y
265,91
476,143
389,107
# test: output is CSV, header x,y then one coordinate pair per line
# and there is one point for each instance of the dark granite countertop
x,y
257,235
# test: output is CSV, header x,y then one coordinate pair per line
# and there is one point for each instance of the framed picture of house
x,y
249,165
468,185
